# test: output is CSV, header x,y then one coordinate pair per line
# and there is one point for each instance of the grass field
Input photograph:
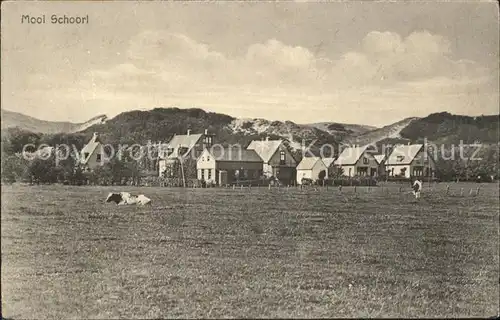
x,y
250,253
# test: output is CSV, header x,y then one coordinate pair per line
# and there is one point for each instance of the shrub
x,y
353,181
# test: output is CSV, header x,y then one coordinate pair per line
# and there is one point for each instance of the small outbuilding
x,y
311,168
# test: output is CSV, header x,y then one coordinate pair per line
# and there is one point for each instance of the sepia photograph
x,y
250,159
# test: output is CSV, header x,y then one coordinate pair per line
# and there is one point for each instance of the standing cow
x,y
417,188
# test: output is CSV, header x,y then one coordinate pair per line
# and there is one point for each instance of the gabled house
x,y
410,161
277,160
93,154
182,147
357,161
311,168
222,166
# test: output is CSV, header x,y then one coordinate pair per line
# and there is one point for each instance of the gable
x,y
404,154
179,142
265,148
420,159
372,162
350,156
276,157
205,159
308,163
320,165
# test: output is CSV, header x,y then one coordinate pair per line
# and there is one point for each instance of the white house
x,y
93,154
357,161
410,161
221,166
310,168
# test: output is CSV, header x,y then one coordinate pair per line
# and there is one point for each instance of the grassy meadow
x,y
220,253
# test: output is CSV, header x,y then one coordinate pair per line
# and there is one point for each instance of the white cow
x,y
125,198
417,188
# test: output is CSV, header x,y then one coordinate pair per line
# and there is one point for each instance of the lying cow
x,y
123,198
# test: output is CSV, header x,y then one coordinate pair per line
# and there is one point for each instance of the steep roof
x,y
350,156
328,161
308,163
235,155
403,154
184,141
265,148
379,158
90,148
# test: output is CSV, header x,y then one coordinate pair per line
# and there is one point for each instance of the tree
x,y
336,172
14,168
322,175
43,170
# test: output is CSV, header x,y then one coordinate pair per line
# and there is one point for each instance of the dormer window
x,y
86,155
98,158
400,158
365,160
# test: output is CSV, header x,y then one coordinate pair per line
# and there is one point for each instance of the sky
x,y
363,62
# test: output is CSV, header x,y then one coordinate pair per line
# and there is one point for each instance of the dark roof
x,y
235,155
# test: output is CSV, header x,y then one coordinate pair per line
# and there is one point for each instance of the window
x,y
85,155
98,158
208,158
202,174
208,140
282,157
365,160
209,174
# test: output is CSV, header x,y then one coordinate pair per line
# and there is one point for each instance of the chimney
x,y
189,132
95,135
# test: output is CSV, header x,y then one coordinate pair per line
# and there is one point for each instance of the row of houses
x,y
271,158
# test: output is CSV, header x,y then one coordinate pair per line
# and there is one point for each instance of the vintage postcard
x,y
220,159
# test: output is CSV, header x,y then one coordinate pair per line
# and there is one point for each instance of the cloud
x,y
382,58
385,57
396,76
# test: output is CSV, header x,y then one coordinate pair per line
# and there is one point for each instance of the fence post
x,y
340,188
354,189
400,189
461,192
447,189
477,191
269,186
234,186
